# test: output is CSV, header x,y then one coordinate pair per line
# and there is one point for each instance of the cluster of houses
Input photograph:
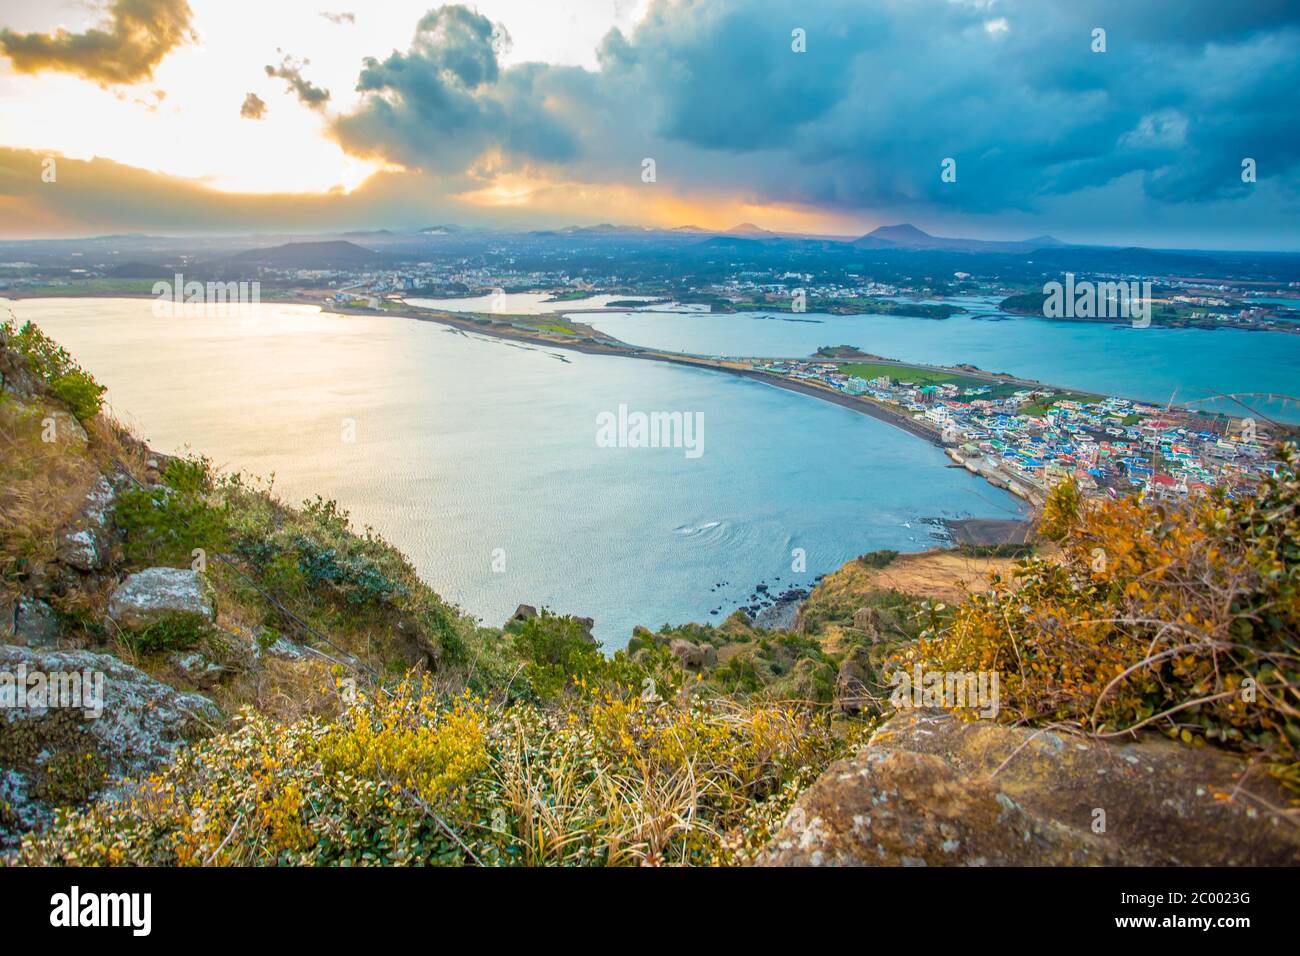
x,y
1036,437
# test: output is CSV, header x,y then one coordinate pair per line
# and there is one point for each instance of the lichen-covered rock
x,y
83,544
125,724
155,595
197,668
931,790
286,649
29,622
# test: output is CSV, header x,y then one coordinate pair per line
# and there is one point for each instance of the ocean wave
x,y
688,531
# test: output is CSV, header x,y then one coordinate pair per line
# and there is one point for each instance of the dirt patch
x,y
988,532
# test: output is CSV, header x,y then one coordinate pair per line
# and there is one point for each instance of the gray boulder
x,y
29,622
867,620
524,612
67,430
124,724
83,544
197,668
155,595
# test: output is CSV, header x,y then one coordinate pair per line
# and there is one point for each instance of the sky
x,y
1123,122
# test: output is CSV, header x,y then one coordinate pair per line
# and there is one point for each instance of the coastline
x,y
592,342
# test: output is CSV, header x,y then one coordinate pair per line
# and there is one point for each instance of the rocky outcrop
x,y
585,625
16,377
30,622
691,656
524,612
851,695
155,595
57,751
867,621
84,542
929,790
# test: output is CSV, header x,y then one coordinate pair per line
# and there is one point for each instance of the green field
x,y
569,295
87,287
925,376
904,373
1044,404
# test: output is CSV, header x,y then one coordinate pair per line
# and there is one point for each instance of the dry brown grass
x,y
42,486
939,575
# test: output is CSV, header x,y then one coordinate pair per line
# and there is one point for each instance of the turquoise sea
x,y
1185,365
478,457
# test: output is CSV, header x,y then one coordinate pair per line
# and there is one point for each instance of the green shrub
x,y
737,676
878,559
82,394
174,633
166,523
356,578
66,379
557,653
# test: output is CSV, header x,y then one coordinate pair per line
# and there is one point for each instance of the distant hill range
x,y
335,254
907,236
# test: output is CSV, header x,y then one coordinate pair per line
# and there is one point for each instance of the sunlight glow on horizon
x,y
186,121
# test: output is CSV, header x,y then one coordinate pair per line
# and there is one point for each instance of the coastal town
x,y
1027,437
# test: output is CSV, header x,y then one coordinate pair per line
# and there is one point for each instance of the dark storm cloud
x,y
885,91
308,93
136,36
1012,91
446,101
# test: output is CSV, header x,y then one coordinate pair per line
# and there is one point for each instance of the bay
x,y
472,453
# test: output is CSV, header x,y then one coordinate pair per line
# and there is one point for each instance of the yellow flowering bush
x,y
371,787
415,777
412,741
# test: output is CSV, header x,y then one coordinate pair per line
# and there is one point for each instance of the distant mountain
x,y
904,234
443,230
602,229
334,254
907,236
748,229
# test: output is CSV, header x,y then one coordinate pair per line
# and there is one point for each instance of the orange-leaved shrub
x,y
1180,616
